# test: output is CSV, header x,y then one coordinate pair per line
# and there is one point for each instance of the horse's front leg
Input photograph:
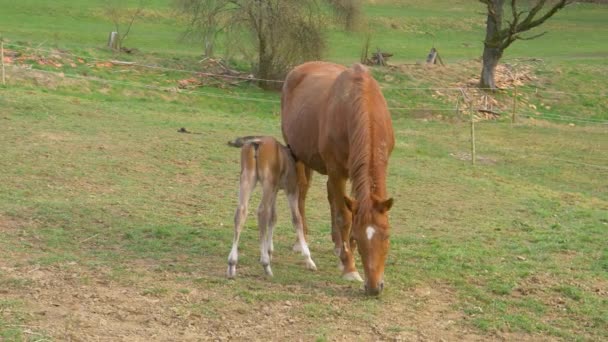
x,y
341,225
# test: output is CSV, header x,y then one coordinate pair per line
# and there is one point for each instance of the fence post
x,y
472,119
2,60
514,103
473,156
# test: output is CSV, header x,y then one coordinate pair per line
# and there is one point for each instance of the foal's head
x,y
371,232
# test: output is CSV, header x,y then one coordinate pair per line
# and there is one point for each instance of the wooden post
x,y
113,40
380,57
2,61
473,157
472,119
514,103
432,56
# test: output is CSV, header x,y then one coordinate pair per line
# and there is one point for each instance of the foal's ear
x,y
351,204
384,206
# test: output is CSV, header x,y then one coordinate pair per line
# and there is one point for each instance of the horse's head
x,y
371,232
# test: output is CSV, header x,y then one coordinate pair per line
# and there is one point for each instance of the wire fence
x,y
395,103
523,154
469,100
252,78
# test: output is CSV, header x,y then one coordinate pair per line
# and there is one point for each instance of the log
x,y
122,63
380,58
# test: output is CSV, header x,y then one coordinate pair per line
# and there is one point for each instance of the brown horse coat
x,y
266,161
336,122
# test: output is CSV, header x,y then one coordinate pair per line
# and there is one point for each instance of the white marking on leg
x,y
296,247
232,261
310,264
263,220
247,183
370,231
337,252
297,222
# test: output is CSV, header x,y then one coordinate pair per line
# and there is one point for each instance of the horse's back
x,y
303,105
319,104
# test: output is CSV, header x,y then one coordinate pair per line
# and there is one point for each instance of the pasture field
x,y
114,226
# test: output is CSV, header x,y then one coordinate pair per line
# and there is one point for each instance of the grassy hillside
x,y
115,226
406,28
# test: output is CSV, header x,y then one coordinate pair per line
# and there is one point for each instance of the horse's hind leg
x,y
296,219
246,187
271,224
264,219
304,175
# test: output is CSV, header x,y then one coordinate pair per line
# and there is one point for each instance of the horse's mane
x,y
362,142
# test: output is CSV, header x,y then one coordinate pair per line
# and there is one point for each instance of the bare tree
x,y
206,19
281,33
123,18
348,12
498,38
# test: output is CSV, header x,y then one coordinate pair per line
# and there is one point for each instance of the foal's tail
x,y
240,141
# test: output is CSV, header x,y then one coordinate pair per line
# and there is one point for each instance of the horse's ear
x,y
351,204
384,206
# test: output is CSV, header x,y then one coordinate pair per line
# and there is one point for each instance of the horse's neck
x,y
376,181
371,166
368,143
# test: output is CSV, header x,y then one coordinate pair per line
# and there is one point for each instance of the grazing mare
x,y
265,160
336,122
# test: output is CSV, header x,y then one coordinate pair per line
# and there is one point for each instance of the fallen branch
x,y
122,63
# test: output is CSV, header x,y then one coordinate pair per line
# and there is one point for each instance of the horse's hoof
x,y
311,265
231,272
352,276
268,270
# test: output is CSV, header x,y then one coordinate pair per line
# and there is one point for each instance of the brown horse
x,y
336,122
265,160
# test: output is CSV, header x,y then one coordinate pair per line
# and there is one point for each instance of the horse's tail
x,y
240,141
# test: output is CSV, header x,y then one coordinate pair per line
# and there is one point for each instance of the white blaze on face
x,y
370,231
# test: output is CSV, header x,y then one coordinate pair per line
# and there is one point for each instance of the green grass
x,y
406,28
123,185
94,177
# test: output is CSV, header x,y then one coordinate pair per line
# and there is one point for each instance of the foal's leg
x,y
296,218
246,187
271,224
269,194
341,226
304,174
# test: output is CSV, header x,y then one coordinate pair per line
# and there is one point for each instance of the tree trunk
x,y
209,42
492,51
491,56
264,63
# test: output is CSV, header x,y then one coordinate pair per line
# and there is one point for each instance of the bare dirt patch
x,y
72,301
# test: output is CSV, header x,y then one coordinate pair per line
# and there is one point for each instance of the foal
x,y
265,160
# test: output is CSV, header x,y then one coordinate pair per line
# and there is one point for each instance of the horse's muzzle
x,y
374,291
